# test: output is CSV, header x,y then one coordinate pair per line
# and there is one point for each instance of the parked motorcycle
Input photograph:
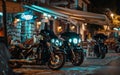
x,y
71,45
100,49
117,46
46,53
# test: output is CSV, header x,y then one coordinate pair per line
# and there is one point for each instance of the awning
x,y
71,14
12,7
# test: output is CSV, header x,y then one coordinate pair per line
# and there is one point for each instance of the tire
x,y
117,49
103,52
102,55
106,49
96,51
97,55
78,59
58,62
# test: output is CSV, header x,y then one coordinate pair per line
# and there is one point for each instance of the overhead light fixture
x,y
55,17
44,14
26,17
115,28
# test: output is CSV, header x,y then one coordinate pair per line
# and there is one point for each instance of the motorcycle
x,y
46,53
71,44
117,46
100,49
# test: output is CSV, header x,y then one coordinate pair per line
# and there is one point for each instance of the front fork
x,y
103,48
73,53
51,50
99,48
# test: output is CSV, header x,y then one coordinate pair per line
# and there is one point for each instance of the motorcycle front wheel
x,y
117,49
102,55
57,62
79,58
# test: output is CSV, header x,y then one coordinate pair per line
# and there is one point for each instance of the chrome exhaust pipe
x,y
21,60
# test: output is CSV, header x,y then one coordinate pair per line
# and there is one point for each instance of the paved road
x,y
112,68
91,66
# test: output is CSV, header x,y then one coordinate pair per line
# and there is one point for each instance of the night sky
x,y
118,7
100,5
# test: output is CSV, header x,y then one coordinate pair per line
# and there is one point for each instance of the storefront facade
x,y
59,19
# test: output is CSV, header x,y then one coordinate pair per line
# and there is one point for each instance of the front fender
x,y
78,49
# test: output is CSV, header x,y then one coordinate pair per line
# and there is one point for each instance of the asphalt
x,y
115,62
112,68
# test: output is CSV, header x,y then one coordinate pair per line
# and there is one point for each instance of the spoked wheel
x,y
78,60
57,62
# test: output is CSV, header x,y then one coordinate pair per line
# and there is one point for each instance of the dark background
x,y
99,6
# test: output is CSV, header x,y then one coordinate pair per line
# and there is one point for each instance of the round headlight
x,y
79,40
70,40
60,43
57,42
53,40
75,40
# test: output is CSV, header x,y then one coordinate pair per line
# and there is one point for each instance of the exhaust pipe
x,y
21,60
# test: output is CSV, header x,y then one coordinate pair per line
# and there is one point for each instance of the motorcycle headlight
x,y
75,40
80,40
61,43
57,42
53,40
70,40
